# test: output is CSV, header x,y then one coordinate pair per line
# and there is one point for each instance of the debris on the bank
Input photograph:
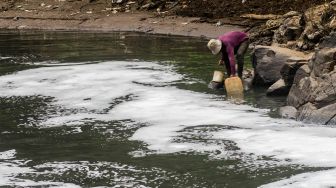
x,y
219,23
149,30
302,31
117,1
131,2
72,14
261,17
21,27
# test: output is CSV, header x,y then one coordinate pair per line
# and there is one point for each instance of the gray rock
x,y
325,93
302,72
216,85
288,112
289,70
302,92
332,121
305,112
329,41
279,88
326,115
247,83
269,60
324,61
248,76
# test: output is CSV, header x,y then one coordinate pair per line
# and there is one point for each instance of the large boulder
x,y
268,62
313,91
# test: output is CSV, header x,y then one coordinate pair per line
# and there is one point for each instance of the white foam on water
x,y
71,85
300,147
321,179
119,175
167,110
1,58
9,169
10,154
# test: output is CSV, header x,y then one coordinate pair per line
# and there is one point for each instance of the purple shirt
x,y
231,40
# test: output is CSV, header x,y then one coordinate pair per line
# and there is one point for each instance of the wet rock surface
x,y
288,112
314,89
279,88
269,62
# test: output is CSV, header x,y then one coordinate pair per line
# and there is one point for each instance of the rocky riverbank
x,y
300,62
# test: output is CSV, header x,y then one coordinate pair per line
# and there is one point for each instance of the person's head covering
x,y
215,45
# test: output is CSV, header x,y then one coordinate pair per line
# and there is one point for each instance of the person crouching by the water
x,y
231,44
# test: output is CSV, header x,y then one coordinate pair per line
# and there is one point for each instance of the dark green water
x,y
104,147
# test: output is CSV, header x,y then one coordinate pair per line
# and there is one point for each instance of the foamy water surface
x,y
146,93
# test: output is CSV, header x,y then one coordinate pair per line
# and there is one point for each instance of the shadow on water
x,y
96,141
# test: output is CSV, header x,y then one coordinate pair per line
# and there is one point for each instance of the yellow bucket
x,y
234,88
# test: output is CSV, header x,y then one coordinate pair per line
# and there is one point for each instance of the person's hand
x,y
233,75
220,62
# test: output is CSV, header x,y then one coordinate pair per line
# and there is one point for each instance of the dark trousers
x,y
239,52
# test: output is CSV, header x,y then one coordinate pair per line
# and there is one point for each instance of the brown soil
x,y
191,8
156,16
133,21
95,16
235,8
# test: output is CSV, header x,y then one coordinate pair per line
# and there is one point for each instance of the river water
x,y
135,110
